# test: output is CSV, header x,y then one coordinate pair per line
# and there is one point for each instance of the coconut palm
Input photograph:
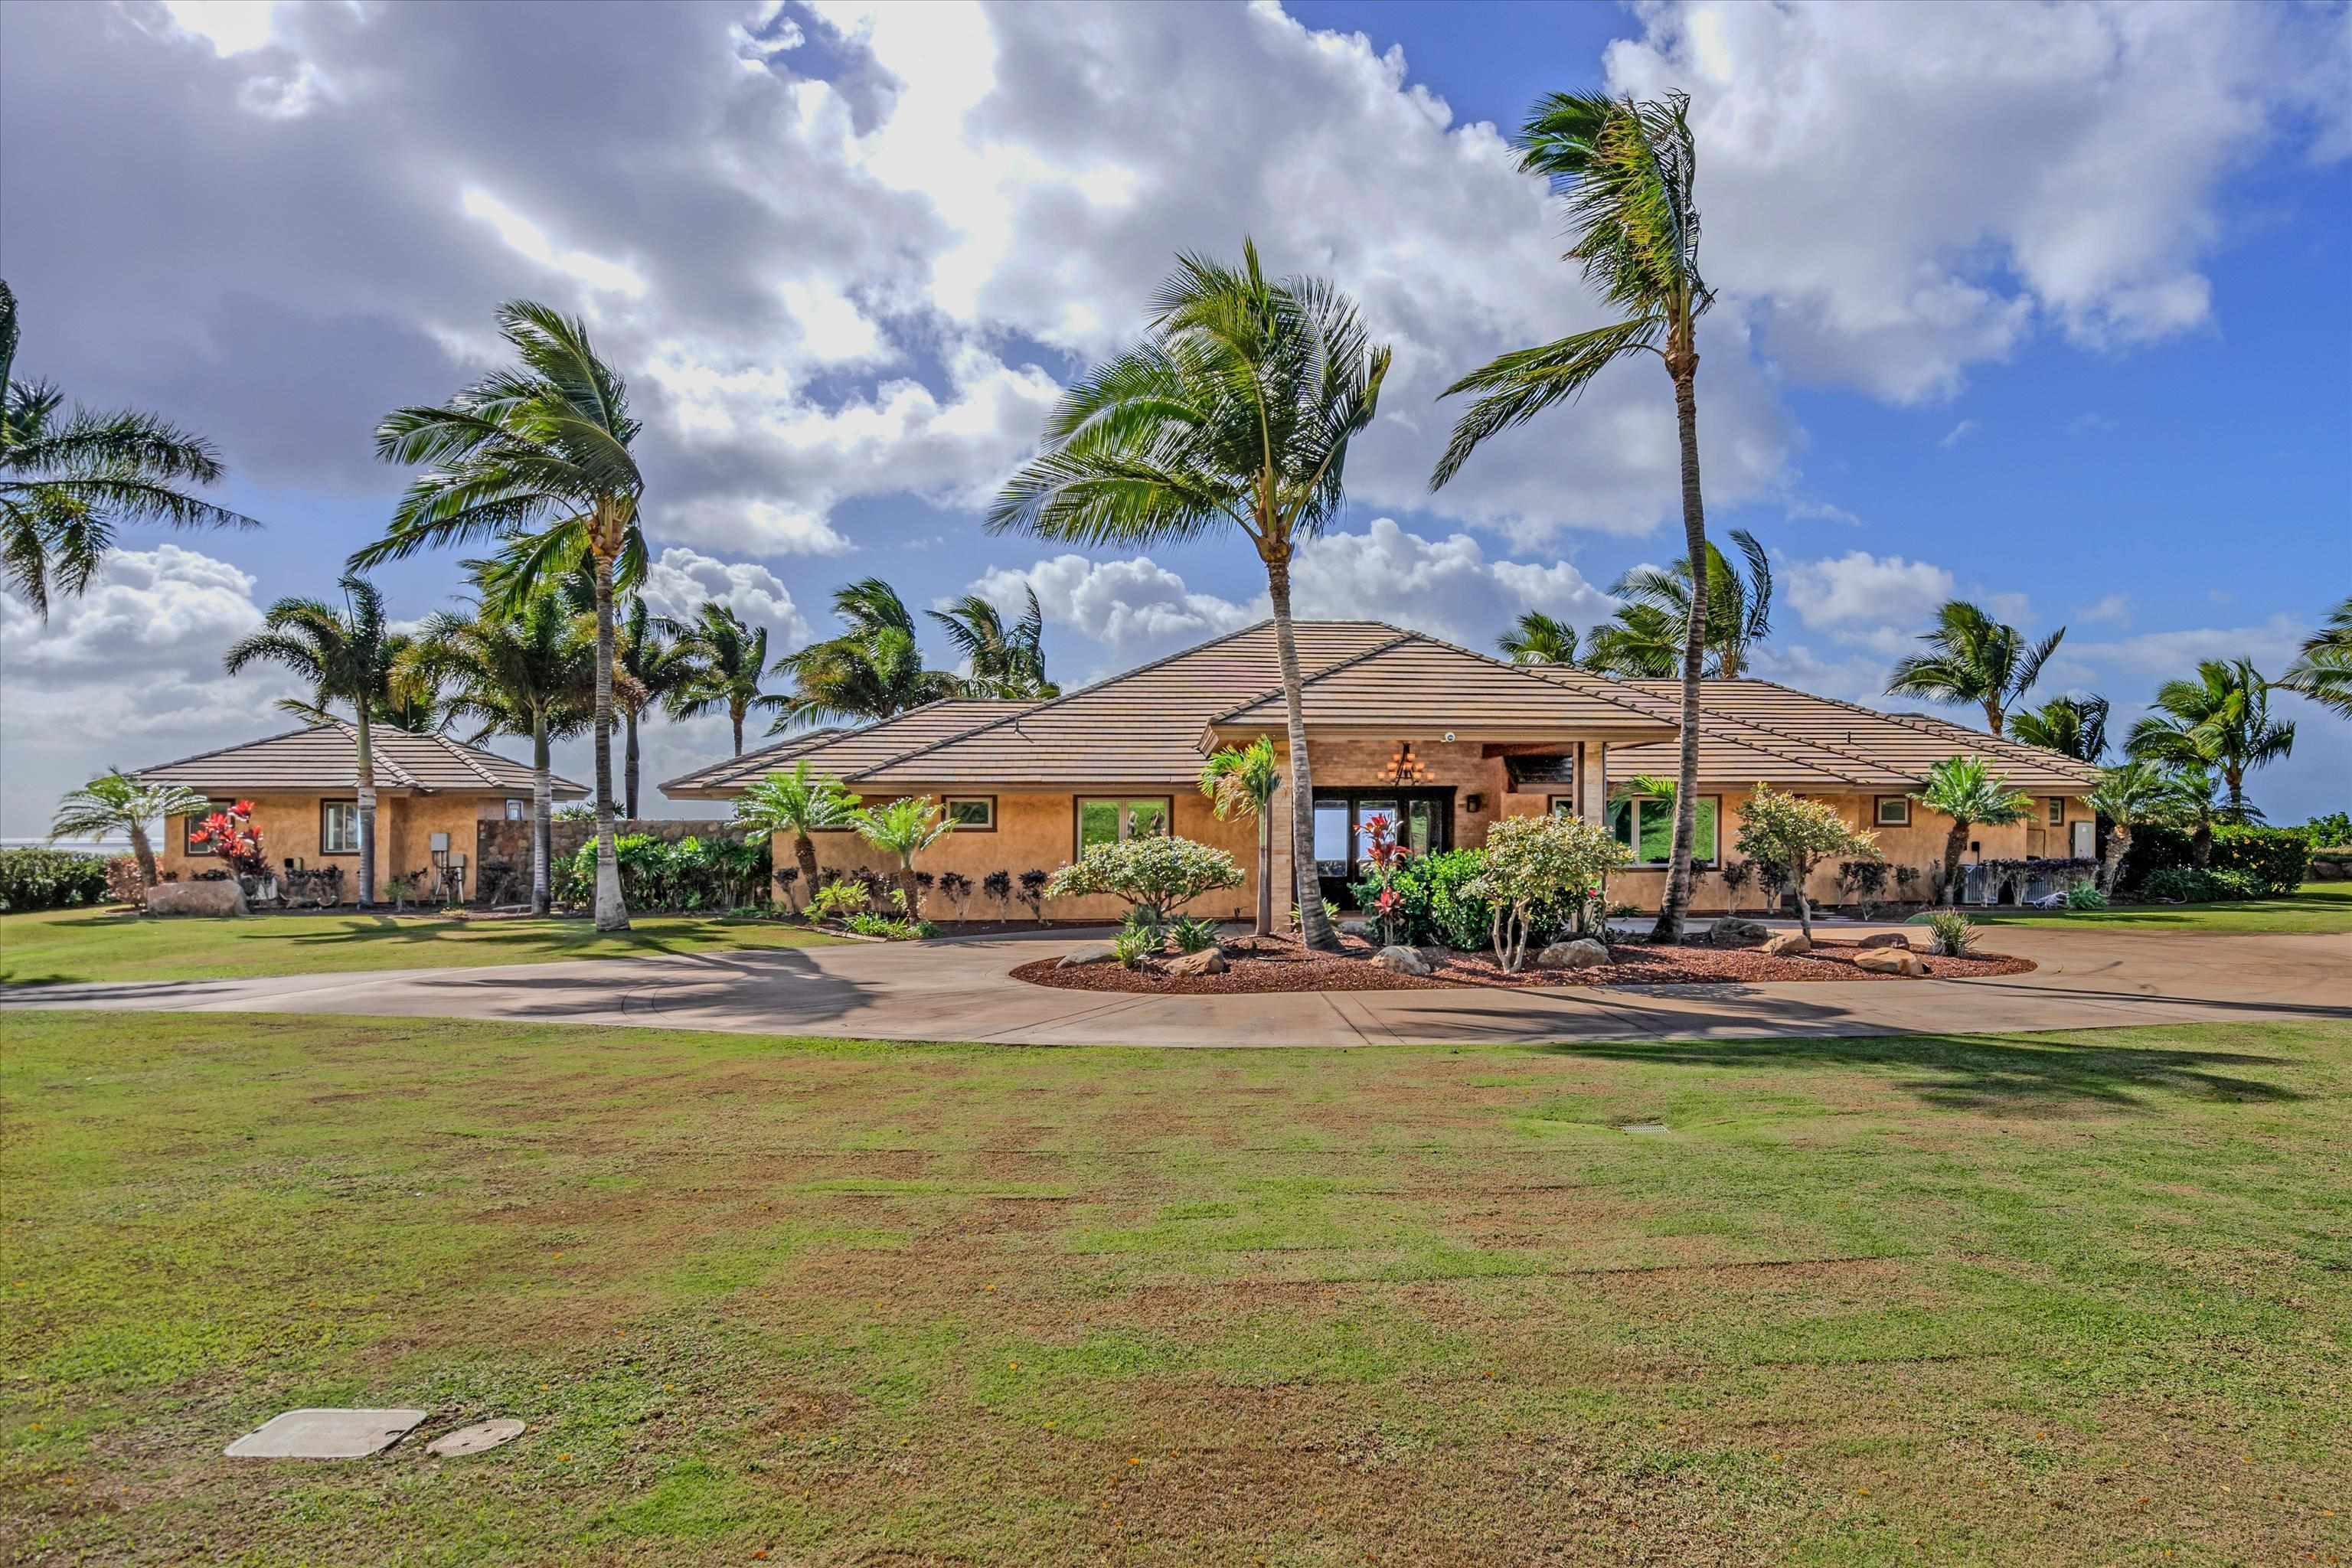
x,y
1627,170
1243,779
798,804
1974,659
2135,795
1237,409
69,481
655,665
1006,661
343,655
874,669
2222,722
1738,608
513,671
2202,802
114,801
1537,638
536,458
1967,790
724,661
906,827
2323,673
1639,642
2072,727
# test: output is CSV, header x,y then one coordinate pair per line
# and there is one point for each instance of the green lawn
x,y
2314,907
2033,1299
100,945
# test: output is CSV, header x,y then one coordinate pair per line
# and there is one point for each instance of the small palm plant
x,y
114,801
906,827
1243,779
798,802
2134,795
1967,790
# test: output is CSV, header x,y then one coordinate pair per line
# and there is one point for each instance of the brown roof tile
x,y
324,758
1416,682
845,751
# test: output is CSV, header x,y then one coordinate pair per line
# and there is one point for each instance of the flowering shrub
x,y
231,836
1153,874
1538,863
124,885
1792,834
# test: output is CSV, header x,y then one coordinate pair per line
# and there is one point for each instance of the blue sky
x,y
2040,306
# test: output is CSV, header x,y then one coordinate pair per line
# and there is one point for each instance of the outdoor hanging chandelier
x,y
1403,767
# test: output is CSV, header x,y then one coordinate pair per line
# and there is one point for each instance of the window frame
x,y
326,803
1078,804
1634,827
190,823
1878,817
948,803
517,810
2057,811
1562,806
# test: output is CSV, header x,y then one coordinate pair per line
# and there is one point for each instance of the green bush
x,y
2187,885
1133,944
2085,896
2332,831
691,874
2276,859
50,879
1190,934
1953,932
1436,906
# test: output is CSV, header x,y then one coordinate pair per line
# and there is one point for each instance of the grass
x,y
2323,907
2037,1298
56,945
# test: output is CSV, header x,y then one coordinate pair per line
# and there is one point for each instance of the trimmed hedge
x,y
50,879
2274,859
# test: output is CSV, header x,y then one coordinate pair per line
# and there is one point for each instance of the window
x,y
2057,811
973,813
518,810
189,824
1646,825
1563,805
339,827
1104,821
1893,811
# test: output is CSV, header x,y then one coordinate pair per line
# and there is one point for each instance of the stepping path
x,y
958,989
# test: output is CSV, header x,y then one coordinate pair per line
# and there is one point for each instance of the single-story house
x,y
1441,740
303,788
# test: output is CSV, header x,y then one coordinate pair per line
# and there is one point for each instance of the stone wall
x,y
502,849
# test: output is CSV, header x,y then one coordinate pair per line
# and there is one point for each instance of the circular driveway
x,y
959,989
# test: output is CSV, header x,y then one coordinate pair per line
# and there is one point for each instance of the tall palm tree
x,y
1245,779
2072,727
1006,661
1627,170
69,481
1738,608
1973,658
724,661
1237,409
2135,795
1967,790
656,664
114,801
799,804
520,671
2323,673
874,669
2201,801
2220,720
1639,642
343,655
1537,638
536,458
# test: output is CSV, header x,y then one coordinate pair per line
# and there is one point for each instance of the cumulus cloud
x,y
680,581
1860,588
1135,608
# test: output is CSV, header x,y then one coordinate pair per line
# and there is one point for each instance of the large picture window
x,y
339,827
1645,825
1106,820
193,820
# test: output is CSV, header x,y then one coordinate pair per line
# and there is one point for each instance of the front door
x,y
1422,819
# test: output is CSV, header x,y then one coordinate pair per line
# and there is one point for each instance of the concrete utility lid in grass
x,y
325,1435
473,1439
1641,1127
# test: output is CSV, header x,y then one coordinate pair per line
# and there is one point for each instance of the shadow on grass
x,y
473,935
1984,1072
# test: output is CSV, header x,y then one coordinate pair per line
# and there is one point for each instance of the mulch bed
x,y
1279,963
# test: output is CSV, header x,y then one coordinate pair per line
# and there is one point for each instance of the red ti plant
x,y
235,838
1384,853
1388,905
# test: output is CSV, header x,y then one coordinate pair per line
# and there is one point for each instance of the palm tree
x,y
1975,659
1739,609
1537,638
1967,790
2136,794
524,671
2220,720
2202,802
1639,642
344,656
655,665
724,661
1245,779
875,669
2323,673
906,827
797,803
2072,727
1238,408
538,459
1627,170
67,482
114,801
1007,662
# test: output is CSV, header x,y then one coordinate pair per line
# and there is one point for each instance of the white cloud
x,y
1958,433
149,610
2115,607
1860,587
527,240
230,27
1446,587
680,581
1135,608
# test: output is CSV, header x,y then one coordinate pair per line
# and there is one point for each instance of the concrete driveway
x,y
959,989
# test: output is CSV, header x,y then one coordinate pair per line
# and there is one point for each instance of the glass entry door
x,y
1422,819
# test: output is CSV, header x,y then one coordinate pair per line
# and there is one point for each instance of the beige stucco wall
x,y
289,826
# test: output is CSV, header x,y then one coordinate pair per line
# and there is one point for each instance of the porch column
x,y
1593,780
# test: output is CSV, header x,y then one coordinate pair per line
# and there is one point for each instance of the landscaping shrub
x,y
2329,832
123,883
1034,888
1953,932
1133,944
50,878
1535,866
1154,875
1190,934
2274,859
998,887
2085,896
1431,903
2187,885
691,874
842,899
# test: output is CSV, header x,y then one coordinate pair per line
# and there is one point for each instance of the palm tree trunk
x,y
367,806
144,852
1314,923
1669,929
2236,779
542,818
909,890
804,856
737,719
611,909
1265,925
1993,717
1956,843
629,761
2111,863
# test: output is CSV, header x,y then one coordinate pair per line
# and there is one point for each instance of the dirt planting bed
x,y
1279,963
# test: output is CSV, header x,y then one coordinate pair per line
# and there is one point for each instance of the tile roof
x,y
698,784
1415,682
324,758
845,752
